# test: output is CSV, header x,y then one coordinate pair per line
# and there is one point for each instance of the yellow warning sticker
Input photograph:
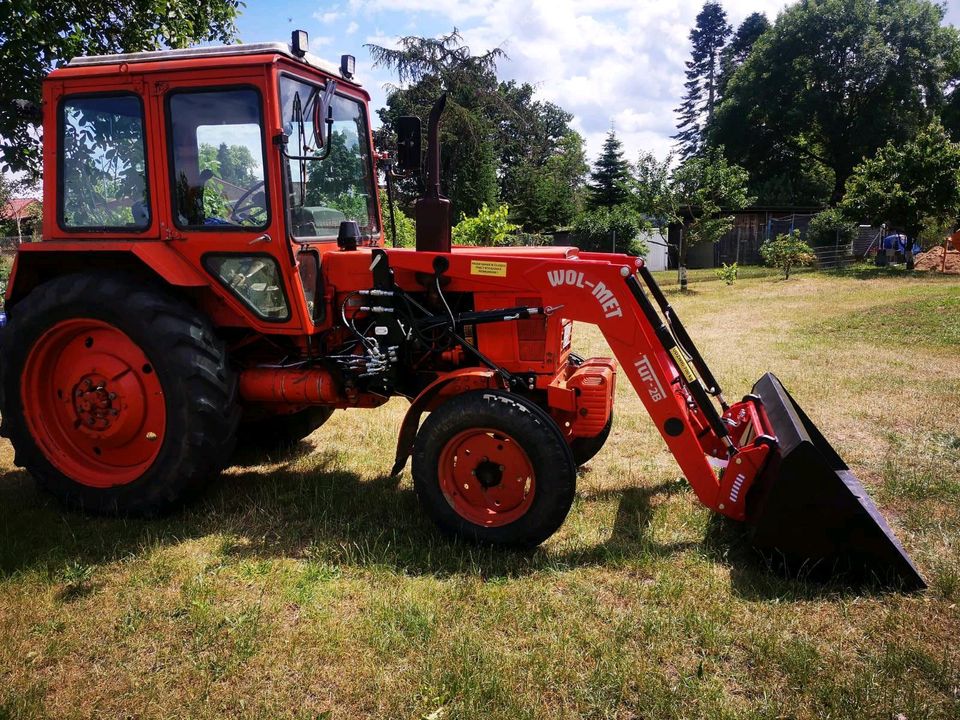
x,y
682,364
488,267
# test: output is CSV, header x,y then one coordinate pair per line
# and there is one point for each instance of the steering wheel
x,y
244,204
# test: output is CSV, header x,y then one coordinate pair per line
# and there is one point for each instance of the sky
x,y
618,62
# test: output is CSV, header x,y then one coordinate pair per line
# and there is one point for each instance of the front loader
x,y
214,266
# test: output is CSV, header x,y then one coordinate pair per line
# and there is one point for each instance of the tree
x,y
429,67
611,173
831,227
37,37
787,251
548,196
909,186
406,228
610,229
738,48
832,81
702,191
703,72
488,228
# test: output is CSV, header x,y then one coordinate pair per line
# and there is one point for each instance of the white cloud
x,y
327,17
352,27
618,61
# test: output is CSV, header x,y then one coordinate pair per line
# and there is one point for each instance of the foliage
x,y
909,186
736,51
831,227
406,228
104,172
702,190
787,251
340,179
496,140
234,165
703,72
548,195
727,273
428,68
37,37
601,229
488,227
542,163
651,192
611,173
829,83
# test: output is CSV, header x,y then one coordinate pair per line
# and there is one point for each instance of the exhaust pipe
x,y
432,211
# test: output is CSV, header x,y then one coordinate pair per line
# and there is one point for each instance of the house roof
x,y
17,208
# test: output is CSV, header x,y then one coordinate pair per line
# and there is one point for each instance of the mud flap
x,y
809,510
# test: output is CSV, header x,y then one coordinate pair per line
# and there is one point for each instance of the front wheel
x,y
492,467
118,397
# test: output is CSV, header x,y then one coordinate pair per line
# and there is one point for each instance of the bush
x,y
489,227
831,227
406,227
594,230
786,251
727,273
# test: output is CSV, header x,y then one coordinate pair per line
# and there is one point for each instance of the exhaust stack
x,y
432,211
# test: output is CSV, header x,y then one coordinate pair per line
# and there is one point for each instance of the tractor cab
x,y
238,163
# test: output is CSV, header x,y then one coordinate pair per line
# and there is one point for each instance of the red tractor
x,y
214,265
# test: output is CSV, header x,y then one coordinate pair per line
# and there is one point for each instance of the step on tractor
x,y
214,265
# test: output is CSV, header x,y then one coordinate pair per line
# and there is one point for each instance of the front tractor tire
x,y
492,467
118,397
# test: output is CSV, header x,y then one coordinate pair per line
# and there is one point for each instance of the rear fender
x,y
453,383
36,263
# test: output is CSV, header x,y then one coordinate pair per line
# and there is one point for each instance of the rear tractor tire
x,y
118,397
492,467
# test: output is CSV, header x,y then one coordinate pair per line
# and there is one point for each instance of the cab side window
x,y
103,164
217,159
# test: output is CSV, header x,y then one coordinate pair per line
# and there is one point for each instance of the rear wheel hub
x,y
94,404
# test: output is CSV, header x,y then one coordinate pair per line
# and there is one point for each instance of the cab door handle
x,y
260,239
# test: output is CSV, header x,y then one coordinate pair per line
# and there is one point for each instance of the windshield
x,y
323,192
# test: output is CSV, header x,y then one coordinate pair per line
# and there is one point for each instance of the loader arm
x,y
760,459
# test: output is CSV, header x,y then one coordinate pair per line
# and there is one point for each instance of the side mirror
x,y
408,145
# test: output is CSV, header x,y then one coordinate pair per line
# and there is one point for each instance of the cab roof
x,y
211,51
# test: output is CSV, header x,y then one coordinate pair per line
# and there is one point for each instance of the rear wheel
x,y
492,467
118,397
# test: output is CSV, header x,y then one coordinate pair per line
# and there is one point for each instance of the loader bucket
x,y
809,510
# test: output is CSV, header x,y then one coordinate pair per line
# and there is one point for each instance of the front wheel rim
x,y
93,403
486,477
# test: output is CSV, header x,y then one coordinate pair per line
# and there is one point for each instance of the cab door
x,y
221,184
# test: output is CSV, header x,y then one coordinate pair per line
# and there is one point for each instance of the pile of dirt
x,y
933,260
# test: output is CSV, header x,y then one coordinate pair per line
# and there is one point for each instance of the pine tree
x,y
739,47
703,73
610,172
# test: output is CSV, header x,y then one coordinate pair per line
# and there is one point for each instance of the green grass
x,y
309,585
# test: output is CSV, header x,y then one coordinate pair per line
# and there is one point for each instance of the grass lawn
x,y
310,586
